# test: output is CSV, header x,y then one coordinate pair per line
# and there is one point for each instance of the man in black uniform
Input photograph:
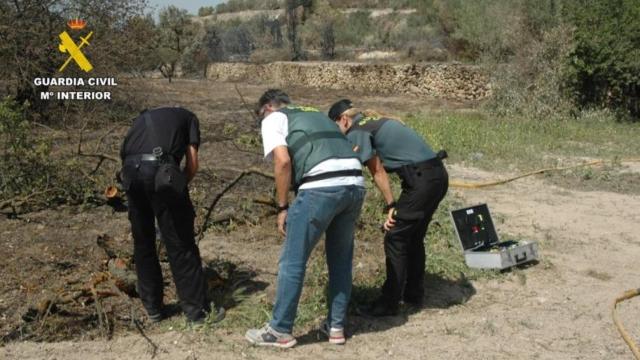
x,y
387,145
176,132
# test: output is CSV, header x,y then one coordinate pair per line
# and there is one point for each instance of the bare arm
x,y
381,178
191,166
282,173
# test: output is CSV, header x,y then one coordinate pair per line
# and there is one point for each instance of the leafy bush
x,y
207,47
176,31
604,70
320,30
238,42
554,54
14,129
206,10
525,45
355,29
29,177
266,31
241,5
490,28
531,84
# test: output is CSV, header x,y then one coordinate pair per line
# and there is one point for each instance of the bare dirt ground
x,y
557,309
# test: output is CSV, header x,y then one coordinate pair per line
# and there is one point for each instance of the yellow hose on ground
x,y
467,185
623,332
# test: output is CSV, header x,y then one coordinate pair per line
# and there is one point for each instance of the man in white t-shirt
x,y
311,155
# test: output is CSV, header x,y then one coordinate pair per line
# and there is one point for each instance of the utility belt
x,y
330,175
427,164
168,175
153,159
422,165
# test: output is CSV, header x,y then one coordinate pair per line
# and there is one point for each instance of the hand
x,y
282,222
390,222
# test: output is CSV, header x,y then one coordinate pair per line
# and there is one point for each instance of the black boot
x,y
415,300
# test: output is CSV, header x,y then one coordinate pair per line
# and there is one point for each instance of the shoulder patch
x,y
303,108
370,125
368,119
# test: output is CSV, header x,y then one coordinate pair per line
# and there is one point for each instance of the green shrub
x,y
14,129
356,27
241,5
30,178
206,10
604,66
320,30
531,84
490,28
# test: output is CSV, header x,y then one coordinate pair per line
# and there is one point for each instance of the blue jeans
x,y
314,211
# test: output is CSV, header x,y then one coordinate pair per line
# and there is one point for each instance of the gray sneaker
x,y
336,336
266,336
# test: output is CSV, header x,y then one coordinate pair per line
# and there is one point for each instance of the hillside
x,y
244,15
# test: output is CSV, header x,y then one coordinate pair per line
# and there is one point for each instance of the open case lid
x,y
474,227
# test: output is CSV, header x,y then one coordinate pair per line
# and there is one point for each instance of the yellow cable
x,y
467,185
623,332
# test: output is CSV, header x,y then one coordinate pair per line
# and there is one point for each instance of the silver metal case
x,y
481,245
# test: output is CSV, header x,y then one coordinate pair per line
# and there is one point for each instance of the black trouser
x,y
423,187
175,216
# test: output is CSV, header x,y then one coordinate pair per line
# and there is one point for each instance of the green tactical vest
x,y
312,139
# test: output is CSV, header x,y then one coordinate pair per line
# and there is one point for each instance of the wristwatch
x,y
282,208
389,206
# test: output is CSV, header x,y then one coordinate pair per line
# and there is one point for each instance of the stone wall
x,y
449,81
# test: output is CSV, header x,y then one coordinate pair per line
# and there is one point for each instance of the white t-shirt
x,y
275,129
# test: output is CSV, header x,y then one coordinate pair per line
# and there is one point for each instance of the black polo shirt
x,y
175,129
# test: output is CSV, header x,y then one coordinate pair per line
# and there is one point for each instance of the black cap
x,y
338,108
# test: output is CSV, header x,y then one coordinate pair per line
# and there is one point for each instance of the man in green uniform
x,y
387,145
310,154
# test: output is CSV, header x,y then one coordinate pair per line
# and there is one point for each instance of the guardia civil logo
x,y
69,46
60,87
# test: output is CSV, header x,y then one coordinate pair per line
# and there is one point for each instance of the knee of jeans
x,y
291,271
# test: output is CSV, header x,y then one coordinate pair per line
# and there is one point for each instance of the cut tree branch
x,y
230,185
102,157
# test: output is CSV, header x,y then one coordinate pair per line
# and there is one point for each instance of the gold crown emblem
x,y
76,24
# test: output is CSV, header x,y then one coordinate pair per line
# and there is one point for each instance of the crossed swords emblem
x,y
69,46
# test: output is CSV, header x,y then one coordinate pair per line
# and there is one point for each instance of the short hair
x,y
274,96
